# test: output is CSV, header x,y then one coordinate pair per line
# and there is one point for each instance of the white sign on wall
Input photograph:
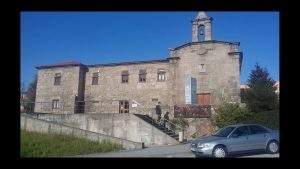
x,y
202,68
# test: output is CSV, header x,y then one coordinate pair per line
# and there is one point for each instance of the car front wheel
x,y
273,147
219,152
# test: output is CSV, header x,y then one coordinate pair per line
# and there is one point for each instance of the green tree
x,y
261,95
30,96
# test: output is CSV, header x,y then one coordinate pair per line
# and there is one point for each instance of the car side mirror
x,y
234,135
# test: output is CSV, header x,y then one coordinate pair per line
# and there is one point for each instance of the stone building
x,y
204,71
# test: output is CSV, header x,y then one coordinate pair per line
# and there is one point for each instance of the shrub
x,y
182,123
228,114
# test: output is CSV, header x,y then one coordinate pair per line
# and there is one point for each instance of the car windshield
x,y
223,132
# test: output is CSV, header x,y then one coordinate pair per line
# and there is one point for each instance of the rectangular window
x,y
124,106
95,79
125,76
241,131
142,75
57,79
55,104
161,75
257,129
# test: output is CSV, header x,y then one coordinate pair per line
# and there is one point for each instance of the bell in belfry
x,y
201,31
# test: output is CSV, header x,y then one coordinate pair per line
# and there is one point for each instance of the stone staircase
x,y
154,123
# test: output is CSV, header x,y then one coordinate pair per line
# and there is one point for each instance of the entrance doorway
x,y
124,106
204,99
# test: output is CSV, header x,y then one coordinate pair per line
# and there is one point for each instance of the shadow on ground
x,y
255,154
252,153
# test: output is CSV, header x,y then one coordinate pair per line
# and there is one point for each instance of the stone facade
x,y
214,64
70,89
201,20
105,96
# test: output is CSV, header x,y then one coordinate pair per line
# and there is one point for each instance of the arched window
x,y
201,33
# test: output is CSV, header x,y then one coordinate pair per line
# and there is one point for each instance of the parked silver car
x,y
237,138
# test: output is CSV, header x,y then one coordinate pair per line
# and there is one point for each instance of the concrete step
x,y
170,132
167,130
175,136
158,126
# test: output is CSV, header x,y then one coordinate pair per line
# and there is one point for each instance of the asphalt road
x,y
177,151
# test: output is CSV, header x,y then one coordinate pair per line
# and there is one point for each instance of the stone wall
x,y
43,126
125,126
105,96
211,63
199,127
220,73
65,92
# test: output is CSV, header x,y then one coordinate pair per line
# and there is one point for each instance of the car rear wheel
x,y
219,152
273,147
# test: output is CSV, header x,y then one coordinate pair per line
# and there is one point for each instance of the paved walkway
x,y
177,151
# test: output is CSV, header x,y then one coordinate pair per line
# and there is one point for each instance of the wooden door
x,y
204,98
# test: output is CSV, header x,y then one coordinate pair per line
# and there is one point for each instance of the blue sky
x,y
106,37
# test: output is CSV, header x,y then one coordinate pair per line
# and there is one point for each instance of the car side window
x,y
257,129
242,131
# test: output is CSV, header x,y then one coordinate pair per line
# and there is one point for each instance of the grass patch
x,y
35,144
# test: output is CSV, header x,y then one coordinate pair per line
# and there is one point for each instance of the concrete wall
x,y
104,97
125,126
38,125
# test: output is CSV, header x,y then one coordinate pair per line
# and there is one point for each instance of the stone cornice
x,y
206,42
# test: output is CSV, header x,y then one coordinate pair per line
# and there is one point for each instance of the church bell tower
x,y
201,28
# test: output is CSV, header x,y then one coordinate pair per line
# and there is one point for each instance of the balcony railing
x,y
192,111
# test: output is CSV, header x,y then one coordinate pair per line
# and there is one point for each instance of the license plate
x,y
193,149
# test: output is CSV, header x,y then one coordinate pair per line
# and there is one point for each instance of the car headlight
x,y
205,145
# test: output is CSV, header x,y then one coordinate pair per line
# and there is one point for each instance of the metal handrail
x,y
194,134
176,126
